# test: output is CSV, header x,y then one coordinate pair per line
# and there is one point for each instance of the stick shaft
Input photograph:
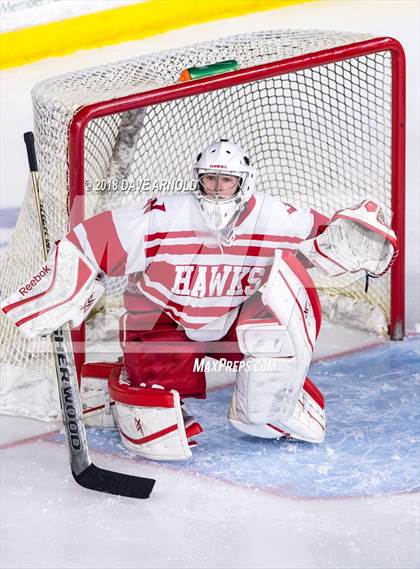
x,y
61,346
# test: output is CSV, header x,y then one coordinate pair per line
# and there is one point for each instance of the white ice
x,y
192,520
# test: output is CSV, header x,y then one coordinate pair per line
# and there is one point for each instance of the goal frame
x,y
264,71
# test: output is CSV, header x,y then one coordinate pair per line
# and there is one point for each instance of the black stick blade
x,y
95,478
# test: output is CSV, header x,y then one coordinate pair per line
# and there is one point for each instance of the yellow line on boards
x,y
117,25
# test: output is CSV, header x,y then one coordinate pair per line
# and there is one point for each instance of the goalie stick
x,y
84,471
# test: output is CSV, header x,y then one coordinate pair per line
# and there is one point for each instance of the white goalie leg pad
x,y
287,298
263,390
356,239
307,422
269,386
63,290
151,421
97,405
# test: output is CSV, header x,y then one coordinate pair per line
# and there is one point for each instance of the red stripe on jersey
x,y
248,236
169,235
196,311
83,274
197,249
103,238
154,296
267,237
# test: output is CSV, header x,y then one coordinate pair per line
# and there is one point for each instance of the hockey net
x,y
319,114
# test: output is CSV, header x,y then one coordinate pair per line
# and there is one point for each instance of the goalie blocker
x,y
64,290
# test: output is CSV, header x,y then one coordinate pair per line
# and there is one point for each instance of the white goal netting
x,y
318,137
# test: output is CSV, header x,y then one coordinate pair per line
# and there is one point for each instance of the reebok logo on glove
x,y
35,280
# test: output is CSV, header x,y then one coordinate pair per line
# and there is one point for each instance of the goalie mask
x,y
225,182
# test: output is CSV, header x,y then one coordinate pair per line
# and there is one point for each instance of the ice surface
x,y
373,417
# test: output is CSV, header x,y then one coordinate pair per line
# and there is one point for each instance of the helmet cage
x,y
215,194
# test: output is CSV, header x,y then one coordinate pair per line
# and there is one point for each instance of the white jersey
x,y
190,271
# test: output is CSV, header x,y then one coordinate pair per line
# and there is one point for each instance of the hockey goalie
x,y
219,272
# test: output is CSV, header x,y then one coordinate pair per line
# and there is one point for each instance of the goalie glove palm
x,y
356,239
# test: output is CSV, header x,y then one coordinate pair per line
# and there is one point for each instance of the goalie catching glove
x,y
64,289
356,239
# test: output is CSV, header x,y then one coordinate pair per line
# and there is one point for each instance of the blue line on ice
x,y
371,447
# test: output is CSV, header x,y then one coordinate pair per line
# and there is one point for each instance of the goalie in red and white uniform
x,y
219,273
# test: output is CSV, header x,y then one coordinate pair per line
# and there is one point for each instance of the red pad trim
x,y
314,418
300,309
312,390
259,321
284,433
373,228
151,437
309,285
91,409
138,396
99,370
193,430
